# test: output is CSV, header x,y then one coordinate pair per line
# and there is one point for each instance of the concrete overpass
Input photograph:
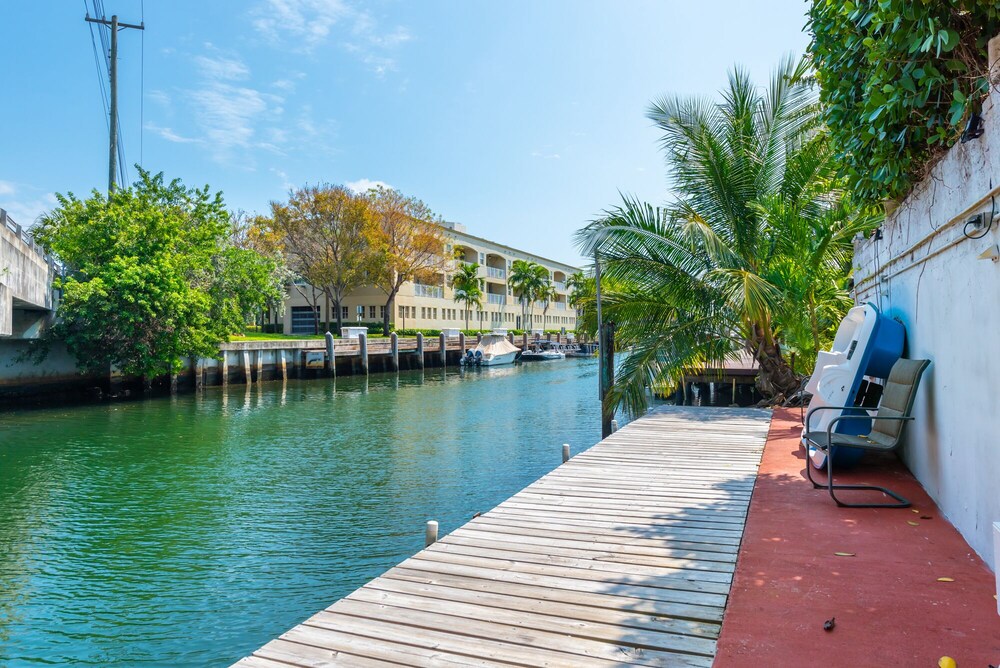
x,y
26,274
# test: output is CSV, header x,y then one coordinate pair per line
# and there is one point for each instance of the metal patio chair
x,y
894,411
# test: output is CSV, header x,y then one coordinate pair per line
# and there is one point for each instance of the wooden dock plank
x,y
622,556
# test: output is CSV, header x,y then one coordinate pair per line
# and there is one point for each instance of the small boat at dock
x,y
543,351
493,350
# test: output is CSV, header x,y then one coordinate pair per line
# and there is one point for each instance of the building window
x,y
343,312
402,311
371,312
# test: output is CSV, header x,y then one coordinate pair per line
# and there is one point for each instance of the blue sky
x,y
521,120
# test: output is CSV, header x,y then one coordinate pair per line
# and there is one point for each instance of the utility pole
x,y
606,353
113,77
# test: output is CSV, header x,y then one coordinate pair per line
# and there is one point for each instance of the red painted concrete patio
x,y
889,606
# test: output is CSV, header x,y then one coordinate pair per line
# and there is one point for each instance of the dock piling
x,y
565,452
430,533
247,373
281,363
260,366
461,345
330,364
443,342
225,368
420,350
394,350
614,426
363,351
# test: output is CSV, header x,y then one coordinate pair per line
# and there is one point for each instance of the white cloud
x,y
306,24
229,69
305,21
159,97
546,156
364,185
170,135
7,188
26,212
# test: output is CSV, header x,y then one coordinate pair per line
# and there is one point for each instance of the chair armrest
x,y
823,408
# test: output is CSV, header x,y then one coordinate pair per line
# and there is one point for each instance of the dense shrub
x,y
898,80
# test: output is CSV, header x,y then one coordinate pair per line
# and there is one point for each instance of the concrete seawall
x,y
57,378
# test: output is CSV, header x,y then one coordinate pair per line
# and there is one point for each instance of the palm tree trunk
x,y
775,378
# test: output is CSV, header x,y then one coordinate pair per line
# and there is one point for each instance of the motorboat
x,y
543,351
492,350
867,343
584,351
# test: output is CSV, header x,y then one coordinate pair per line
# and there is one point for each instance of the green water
x,y
190,531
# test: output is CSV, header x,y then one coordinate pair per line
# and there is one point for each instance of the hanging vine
x,y
898,80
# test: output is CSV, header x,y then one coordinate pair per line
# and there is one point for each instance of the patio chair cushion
x,y
897,397
874,441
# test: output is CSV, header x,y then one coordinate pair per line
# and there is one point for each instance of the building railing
x,y
560,306
496,272
25,236
421,290
495,299
560,286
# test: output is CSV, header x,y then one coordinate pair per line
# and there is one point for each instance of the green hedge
x,y
898,81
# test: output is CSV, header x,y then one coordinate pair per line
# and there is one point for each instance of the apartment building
x,y
431,305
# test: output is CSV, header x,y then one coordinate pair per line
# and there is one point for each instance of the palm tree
x,y
546,294
756,243
526,279
468,288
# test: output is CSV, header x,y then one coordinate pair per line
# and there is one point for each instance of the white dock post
x,y
248,375
363,350
430,533
614,426
443,340
260,365
281,363
461,345
225,368
330,364
420,350
565,452
394,350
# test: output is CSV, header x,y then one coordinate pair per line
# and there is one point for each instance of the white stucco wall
x,y
925,272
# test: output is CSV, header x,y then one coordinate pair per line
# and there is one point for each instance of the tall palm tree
x,y
546,294
468,288
526,279
758,234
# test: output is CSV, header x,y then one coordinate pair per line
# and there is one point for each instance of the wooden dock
x,y
622,556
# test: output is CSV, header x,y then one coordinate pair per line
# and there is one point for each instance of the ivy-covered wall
x,y
898,81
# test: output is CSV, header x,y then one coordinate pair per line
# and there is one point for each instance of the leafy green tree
x,y
581,291
468,288
527,279
325,232
404,242
142,291
756,242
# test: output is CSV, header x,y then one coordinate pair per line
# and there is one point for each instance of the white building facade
x,y
431,305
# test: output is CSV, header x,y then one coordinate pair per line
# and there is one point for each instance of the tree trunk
x,y
340,315
775,378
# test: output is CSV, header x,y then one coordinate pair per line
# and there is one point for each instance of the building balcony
x,y
559,286
560,306
421,290
495,299
496,272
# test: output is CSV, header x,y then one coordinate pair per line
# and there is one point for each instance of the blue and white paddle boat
x,y
867,343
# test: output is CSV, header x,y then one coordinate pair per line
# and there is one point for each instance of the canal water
x,y
188,531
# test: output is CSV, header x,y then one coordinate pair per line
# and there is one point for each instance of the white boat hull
x,y
506,358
